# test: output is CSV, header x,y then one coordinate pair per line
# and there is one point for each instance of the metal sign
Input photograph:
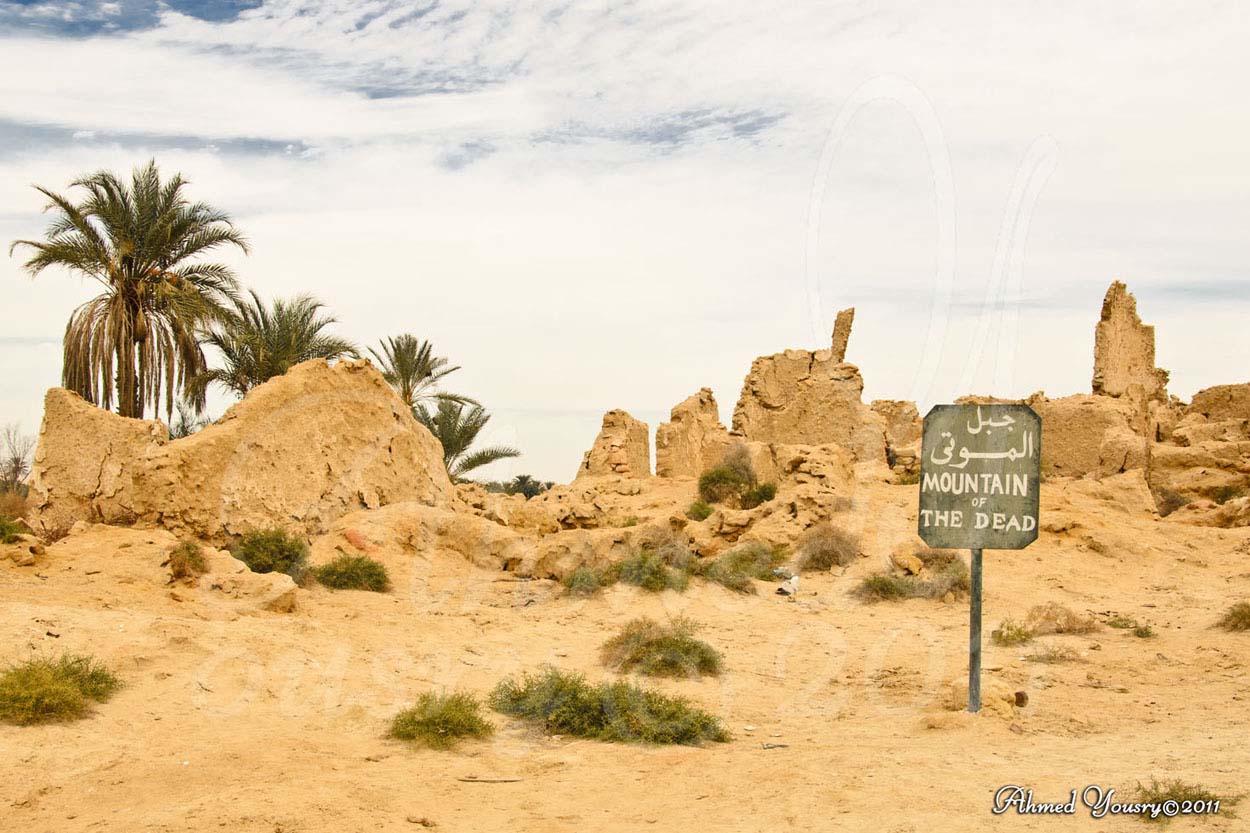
x,y
980,470
980,467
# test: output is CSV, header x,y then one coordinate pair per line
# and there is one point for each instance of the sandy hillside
x,y
235,719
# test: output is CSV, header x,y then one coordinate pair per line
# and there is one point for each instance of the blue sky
x,y
601,205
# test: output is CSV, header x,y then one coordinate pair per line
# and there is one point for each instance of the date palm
x,y
140,241
457,425
258,342
409,365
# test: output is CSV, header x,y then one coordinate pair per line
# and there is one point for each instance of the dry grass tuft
x,y
47,691
440,721
186,562
1055,618
657,650
824,547
1237,618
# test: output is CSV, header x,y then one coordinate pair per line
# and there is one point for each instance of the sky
x,y
593,205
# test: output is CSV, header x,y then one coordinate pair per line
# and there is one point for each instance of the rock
x,y
1120,451
23,551
801,397
1222,402
905,560
84,463
274,592
623,447
1124,349
693,440
298,451
903,428
842,333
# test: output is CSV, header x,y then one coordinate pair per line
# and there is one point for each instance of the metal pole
x,y
974,636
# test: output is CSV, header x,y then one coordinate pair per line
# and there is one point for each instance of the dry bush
x,y
1237,618
45,690
1168,501
1011,632
587,581
824,546
13,505
651,571
186,562
738,568
273,550
657,650
1055,618
563,702
1054,655
439,721
952,577
353,572
700,510
1161,792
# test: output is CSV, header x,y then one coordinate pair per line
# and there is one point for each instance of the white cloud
x,y
591,208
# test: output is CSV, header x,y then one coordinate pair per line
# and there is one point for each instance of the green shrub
x,y
1121,622
564,703
1011,632
656,650
43,691
910,478
648,570
753,497
1160,792
1237,618
587,581
738,568
439,721
700,510
721,483
186,562
9,530
824,547
273,551
1144,632
353,572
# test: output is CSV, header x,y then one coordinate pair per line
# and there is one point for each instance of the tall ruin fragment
x,y
842,333
623,447
693,440
1124,349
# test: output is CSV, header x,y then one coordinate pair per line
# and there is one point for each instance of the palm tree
x,y
139,242
258,342
456,425
409,365
188,422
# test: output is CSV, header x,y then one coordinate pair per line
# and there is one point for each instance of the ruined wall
x,y
693,440
842,333
1124,349
298,451
803,397
623,447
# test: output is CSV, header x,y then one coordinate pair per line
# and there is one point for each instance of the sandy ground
x,y
276,722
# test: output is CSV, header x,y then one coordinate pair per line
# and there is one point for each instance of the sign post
x,y
980,469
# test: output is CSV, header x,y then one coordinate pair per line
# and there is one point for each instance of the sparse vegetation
x,y
824,547
1055,618
439,721
945,573
1011,632
564,703
9,530
456,425
522,484
733,480
657,650
1228,492
1168,501
738,568
1121,622
1237,618
353,572
1144,632
700,510
647,569
587,581
1054,655
47,690
1181,792
186,562
753,497
16,450
718,484
273,550
13,505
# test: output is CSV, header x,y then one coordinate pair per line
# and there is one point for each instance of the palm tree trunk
x,y
127,381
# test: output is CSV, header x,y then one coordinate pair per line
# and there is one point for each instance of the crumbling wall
x,y
842,333
1124,349
623,447
693,440
298,451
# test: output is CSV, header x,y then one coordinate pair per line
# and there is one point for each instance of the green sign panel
x,y
979,473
